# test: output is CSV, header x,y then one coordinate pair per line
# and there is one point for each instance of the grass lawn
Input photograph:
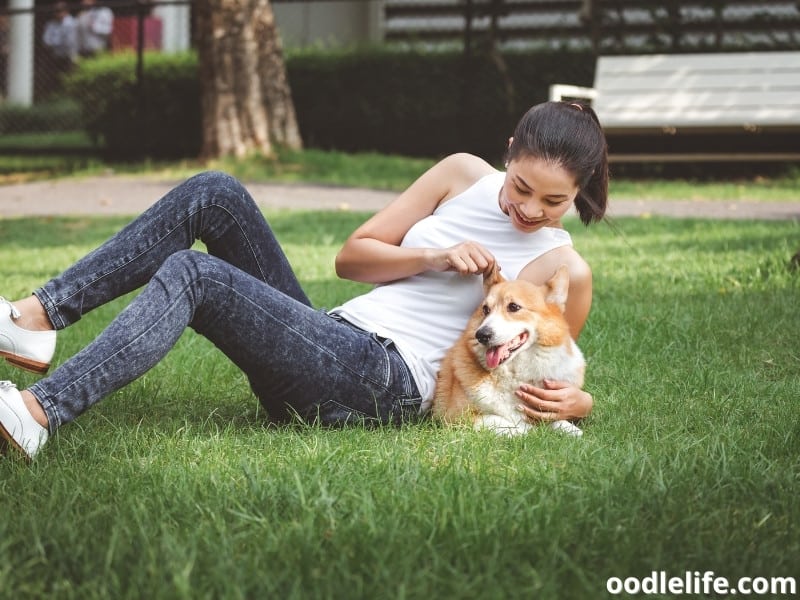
x,y
175,488
369,170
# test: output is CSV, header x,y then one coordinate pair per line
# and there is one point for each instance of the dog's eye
x,y
513,307
486,310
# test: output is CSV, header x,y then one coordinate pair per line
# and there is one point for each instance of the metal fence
x,y
64,33
41,45
607,26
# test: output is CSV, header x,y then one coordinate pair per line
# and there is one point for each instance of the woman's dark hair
x,y
569,135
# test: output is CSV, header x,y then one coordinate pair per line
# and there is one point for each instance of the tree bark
x,y
246,100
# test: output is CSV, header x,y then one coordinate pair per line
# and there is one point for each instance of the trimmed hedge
x,y
422,104
61,114
159,119
374,99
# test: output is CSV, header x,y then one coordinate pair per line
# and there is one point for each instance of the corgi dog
x,y
517,335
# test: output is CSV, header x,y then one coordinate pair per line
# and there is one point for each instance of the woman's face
x,y
537,193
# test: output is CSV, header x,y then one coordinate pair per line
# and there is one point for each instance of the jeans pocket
x,y
370,384
387,395
395,411
406,411
407,399
338,414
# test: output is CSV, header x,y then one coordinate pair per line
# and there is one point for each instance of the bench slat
x,y
728,61
693,109
761,83
752,89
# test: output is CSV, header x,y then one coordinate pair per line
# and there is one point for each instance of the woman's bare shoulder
x,y
463,170
542,268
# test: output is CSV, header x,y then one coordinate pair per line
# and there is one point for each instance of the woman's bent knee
x,y
219,185
215,189
212,179
182,265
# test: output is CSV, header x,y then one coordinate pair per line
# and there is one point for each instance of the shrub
x,y
159,117
366,99
62,114
421,104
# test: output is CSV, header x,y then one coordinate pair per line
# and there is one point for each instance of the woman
x,y
373,358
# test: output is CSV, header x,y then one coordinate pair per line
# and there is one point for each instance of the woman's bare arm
x,y
558,400
372,254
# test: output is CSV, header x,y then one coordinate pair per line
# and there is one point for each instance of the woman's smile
x,y
524,222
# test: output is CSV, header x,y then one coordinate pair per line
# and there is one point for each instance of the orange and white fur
x,y
518,335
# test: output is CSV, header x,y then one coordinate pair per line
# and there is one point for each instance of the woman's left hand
x,y
555,401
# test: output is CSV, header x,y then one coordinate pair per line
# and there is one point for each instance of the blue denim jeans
x,y
242,295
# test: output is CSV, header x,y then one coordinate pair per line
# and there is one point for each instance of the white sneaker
x,y
29,350
18,428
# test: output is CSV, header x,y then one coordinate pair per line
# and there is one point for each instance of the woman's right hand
x,y
466,258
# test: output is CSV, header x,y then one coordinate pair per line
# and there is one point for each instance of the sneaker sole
x,y
27,364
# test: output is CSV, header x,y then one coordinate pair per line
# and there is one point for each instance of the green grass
x,y
48,142
775,189
47,154
175,488
368,170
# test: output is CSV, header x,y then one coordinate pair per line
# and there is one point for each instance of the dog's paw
x,y
501,425
567,427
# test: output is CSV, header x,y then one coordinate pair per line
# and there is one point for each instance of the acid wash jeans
x,y
242,295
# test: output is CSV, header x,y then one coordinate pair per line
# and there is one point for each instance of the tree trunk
x,y
246,100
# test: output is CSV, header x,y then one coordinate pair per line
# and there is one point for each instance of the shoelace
x,y
15,314
7,385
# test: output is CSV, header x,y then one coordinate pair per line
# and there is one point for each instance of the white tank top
x,y
425,314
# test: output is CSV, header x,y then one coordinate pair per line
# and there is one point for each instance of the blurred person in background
x,y
60,37
95,24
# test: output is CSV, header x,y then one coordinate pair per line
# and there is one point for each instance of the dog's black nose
x,y
484,335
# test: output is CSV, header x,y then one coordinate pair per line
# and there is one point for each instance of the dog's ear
x,y
557,288
492,277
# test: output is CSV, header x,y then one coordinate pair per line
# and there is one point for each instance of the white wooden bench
x,y
683,95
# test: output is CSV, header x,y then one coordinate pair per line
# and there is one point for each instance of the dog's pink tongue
x,y
494,356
